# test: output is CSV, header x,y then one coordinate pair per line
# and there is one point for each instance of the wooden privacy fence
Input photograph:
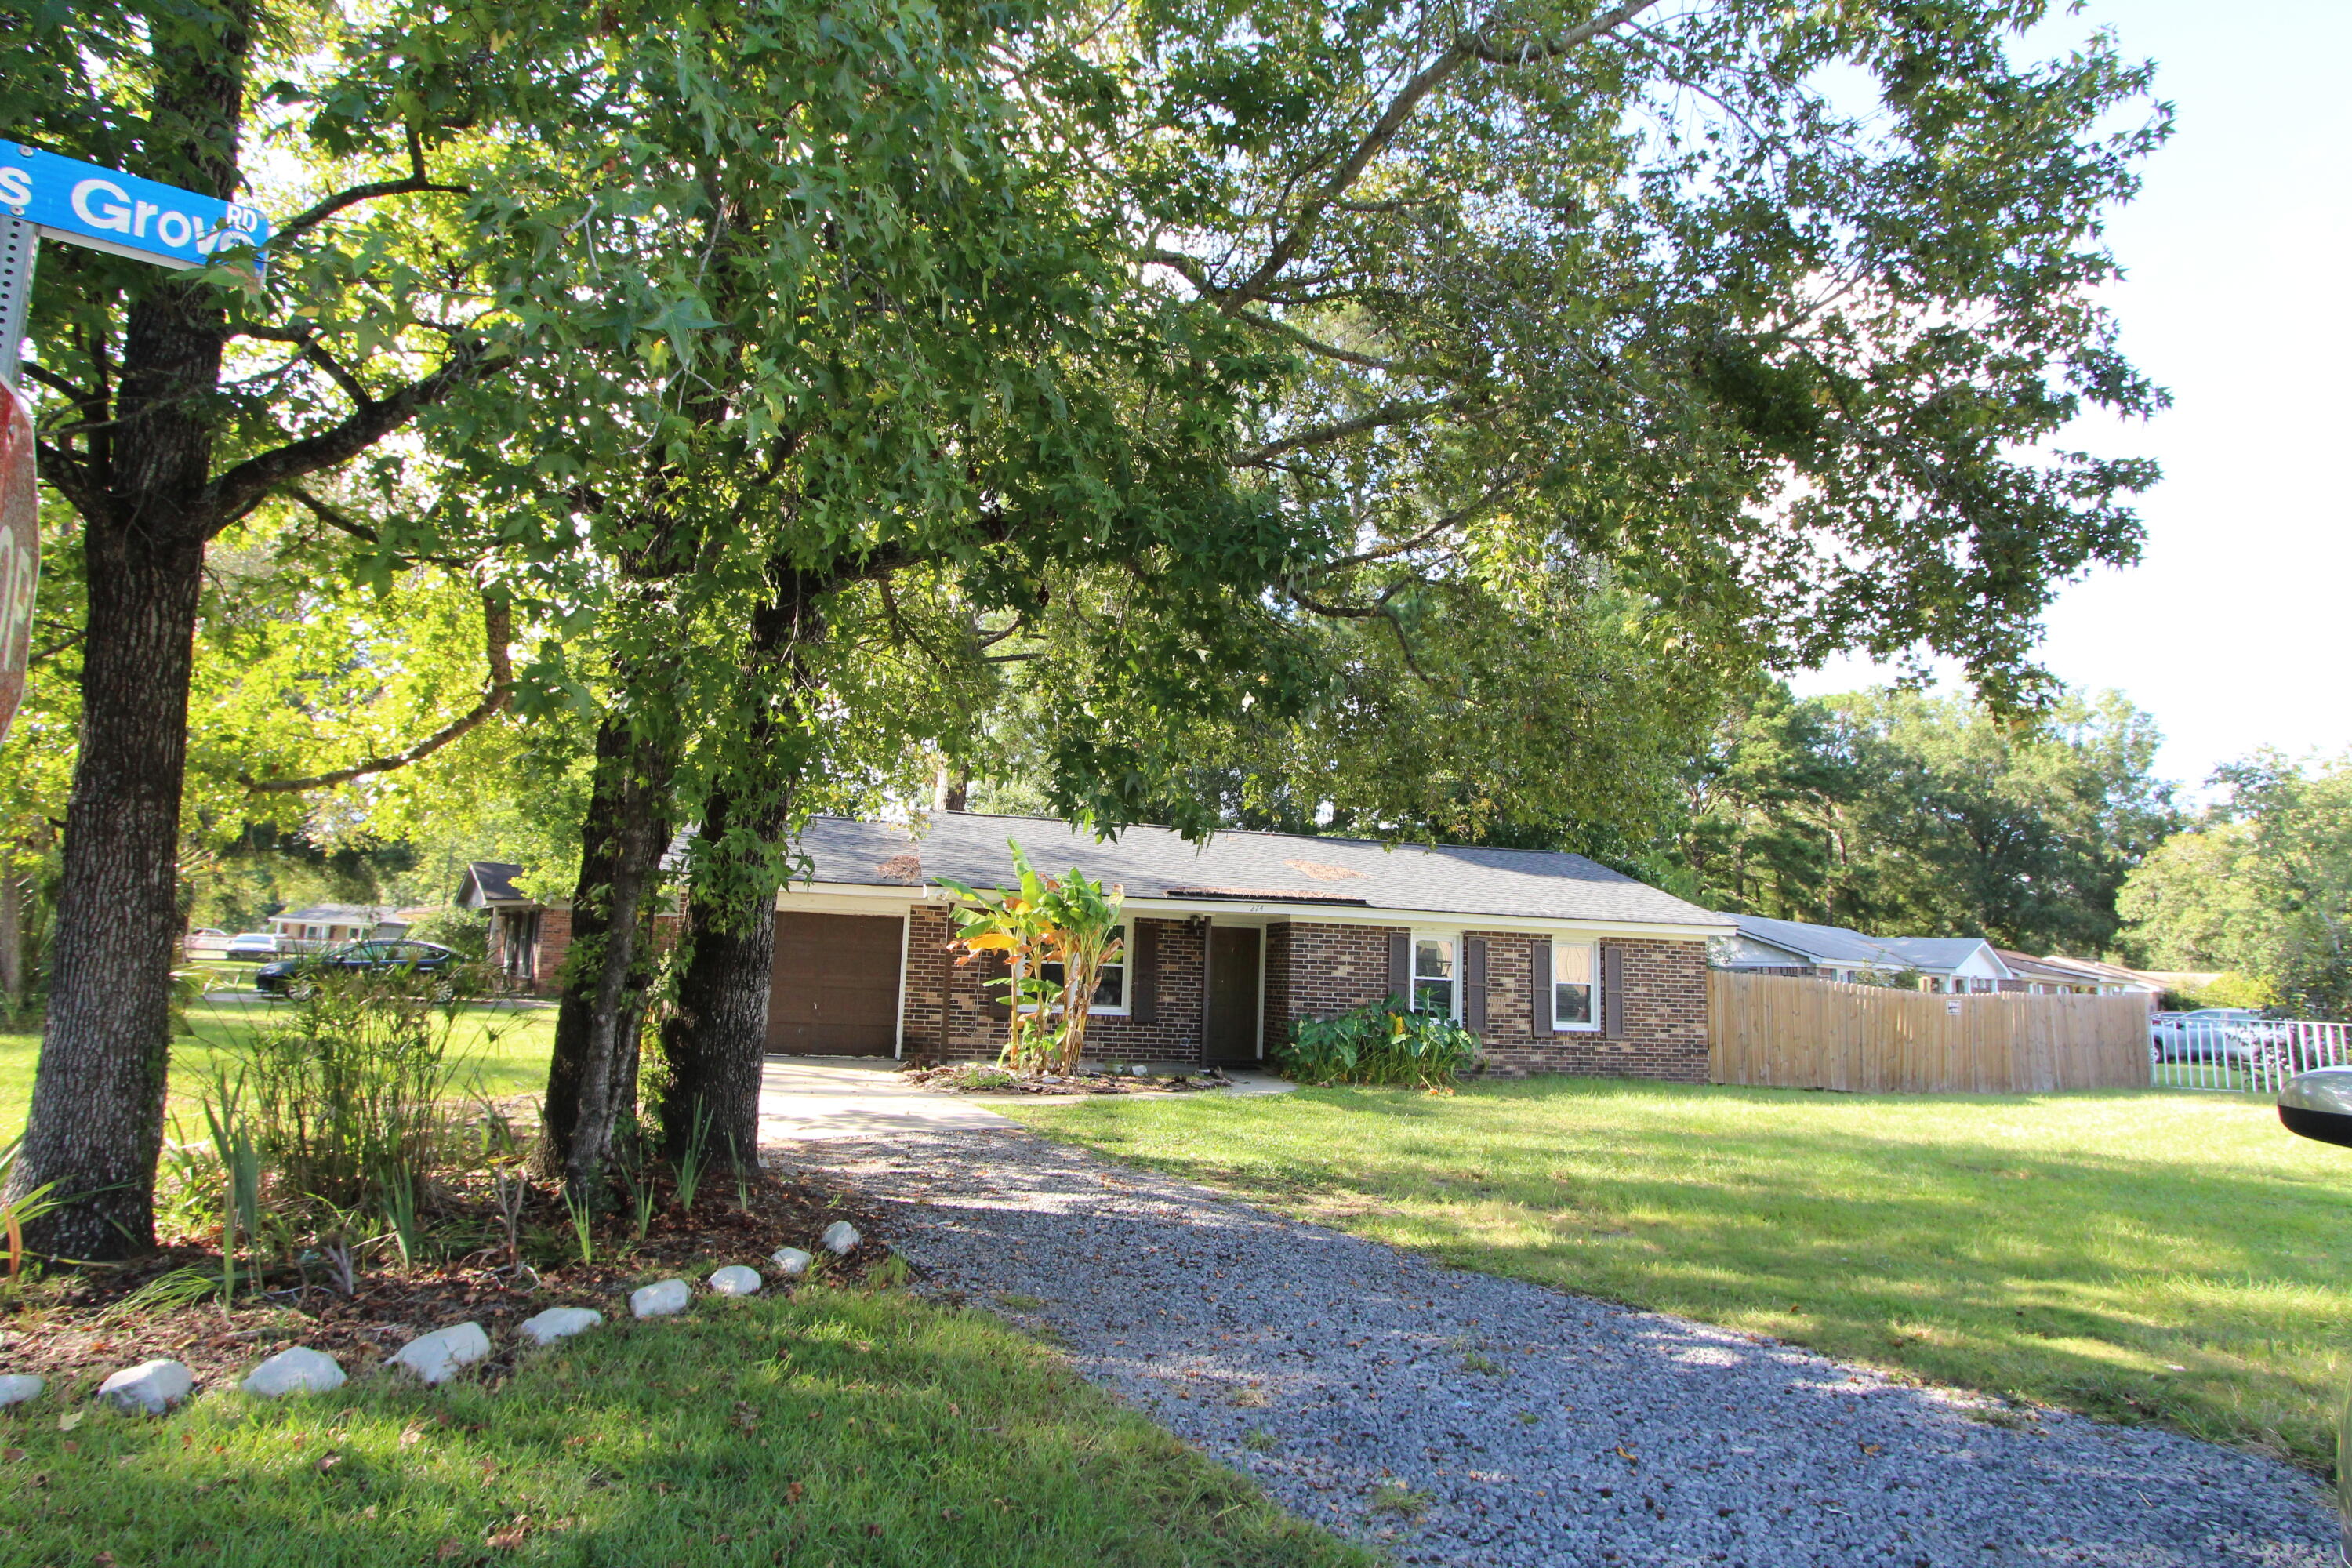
x,y
1770,1030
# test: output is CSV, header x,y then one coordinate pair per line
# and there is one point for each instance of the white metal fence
x,y
2255,1057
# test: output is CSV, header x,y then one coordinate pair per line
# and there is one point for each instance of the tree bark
x,y
715,1041
96,1126
592,1079
12,937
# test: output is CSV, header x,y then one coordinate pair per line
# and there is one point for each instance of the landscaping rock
x,y
791,1261
154,1386
840,1238
438,1356
662,1299
19,1386
297,1370
736,1281
559,1323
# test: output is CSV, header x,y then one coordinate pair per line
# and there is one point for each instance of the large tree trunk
x,y
592,1081
714,1042
96,1127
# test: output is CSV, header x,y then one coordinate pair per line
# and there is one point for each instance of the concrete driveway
x,y
805,1099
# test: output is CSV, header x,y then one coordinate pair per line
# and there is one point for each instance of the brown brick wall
x,y
947,1018
1318,970
554,944
1664,1033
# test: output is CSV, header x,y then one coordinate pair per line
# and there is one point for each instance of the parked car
x,y
251,944
287,976
204,942
2319,1105
2213,1034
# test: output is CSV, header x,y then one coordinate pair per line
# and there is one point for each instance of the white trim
x,y
1412,977
1551,984
898,1025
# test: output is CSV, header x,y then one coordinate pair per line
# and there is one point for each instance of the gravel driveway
x,y
1462,1419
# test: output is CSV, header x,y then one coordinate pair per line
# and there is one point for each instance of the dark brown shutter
x,y
1143,971
996,996
1401,967
1473,983
1539,1002
1612,991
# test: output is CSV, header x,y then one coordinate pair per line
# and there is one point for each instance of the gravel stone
x,y
559,1323
735,1281
16,1387
154,1386
295,1369
662,1298
1538,1428
439,1356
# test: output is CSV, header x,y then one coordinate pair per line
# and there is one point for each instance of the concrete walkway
x,y
806,1099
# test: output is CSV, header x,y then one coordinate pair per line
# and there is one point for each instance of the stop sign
x,y
20,548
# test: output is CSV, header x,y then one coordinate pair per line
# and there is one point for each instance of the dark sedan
x,y
283,978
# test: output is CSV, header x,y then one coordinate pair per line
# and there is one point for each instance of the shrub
x,y
344,1099
464,932
1378,1044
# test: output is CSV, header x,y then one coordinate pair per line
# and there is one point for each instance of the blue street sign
x,y
107,210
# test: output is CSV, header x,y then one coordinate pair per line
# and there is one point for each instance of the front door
x,y
836,985
1231,1025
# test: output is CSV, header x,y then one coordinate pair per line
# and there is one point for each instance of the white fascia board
x,y
849,898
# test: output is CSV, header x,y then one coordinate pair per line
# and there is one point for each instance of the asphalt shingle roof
x,y
1158,862
1827,944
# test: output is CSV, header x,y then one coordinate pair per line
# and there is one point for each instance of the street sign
x,y
105,209
20,550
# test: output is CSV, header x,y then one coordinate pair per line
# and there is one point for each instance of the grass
x,y
504,1050
827,1428
2173,1258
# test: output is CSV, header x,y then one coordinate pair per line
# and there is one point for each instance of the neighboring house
x,y
1556,962
1763,946
1942,963
2114,980
1559,963
528,937
1951,964
326,923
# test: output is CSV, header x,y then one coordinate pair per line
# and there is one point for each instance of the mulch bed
x,y
77,1328
967,1078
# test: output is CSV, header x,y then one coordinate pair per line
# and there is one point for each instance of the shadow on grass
x,y
832,1427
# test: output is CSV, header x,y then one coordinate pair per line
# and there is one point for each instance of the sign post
x,y
42,194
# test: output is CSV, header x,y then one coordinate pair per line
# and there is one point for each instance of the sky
x,y
2233,628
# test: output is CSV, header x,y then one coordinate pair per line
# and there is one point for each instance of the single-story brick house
x,y
528,937
1559,963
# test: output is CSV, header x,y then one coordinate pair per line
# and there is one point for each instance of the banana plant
x,y
1015,923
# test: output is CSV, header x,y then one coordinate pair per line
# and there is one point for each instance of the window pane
x,y
1572,989
1111,986
1432,959
1433,997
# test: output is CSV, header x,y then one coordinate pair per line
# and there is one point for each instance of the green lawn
x,y
2138,1256
831,1427
504,1050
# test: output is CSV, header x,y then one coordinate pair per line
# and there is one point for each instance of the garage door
x,y
836,988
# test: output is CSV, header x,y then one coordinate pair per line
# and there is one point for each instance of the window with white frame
x,y
1434,988
1575,985
1110,984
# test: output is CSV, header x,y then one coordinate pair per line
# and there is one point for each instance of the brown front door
x,y
1232,1024
836,985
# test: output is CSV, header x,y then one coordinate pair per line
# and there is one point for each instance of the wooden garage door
x,y
836,988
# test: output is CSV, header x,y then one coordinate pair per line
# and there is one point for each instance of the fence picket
x,y
1776,1030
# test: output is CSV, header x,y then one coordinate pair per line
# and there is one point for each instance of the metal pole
x,y
20,244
